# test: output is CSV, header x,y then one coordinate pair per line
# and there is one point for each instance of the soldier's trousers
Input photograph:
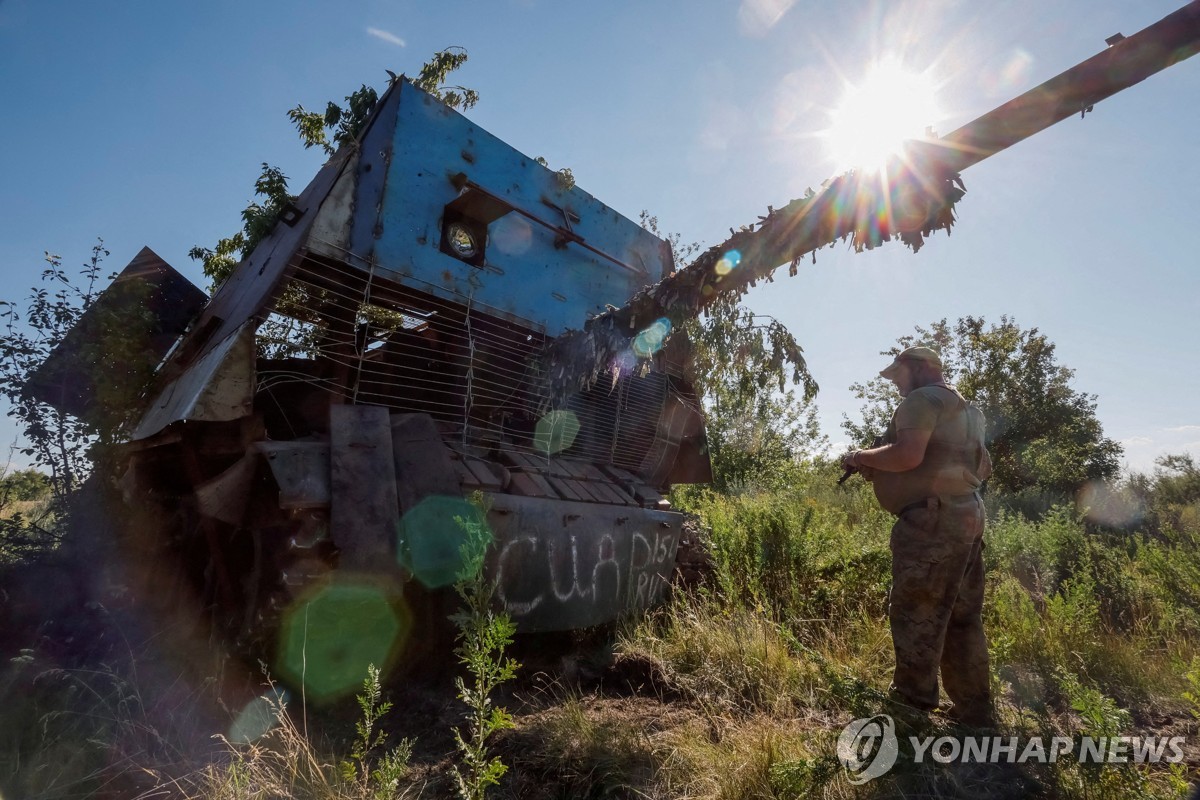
x,y
936,605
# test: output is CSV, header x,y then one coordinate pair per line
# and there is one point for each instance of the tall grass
x,y
746,681
1091,630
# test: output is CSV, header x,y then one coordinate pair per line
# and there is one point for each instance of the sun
x,y
875,117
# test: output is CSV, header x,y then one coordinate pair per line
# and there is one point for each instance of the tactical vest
x,y
956,460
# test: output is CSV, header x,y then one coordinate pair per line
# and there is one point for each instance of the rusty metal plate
x,y
365,511
217,388
421,460
65,379
561,565
301,471
225,497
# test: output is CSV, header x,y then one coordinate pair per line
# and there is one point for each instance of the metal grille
x,y
341,330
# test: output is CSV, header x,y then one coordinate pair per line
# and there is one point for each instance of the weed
x,y
795,779
483,635
382,781
1192,695
284,762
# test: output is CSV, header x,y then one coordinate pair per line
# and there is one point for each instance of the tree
x,y
1177,479
23,485
114,359
1042,433
1169,498
336,127
64,445
757,427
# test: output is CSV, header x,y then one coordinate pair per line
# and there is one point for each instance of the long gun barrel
x,y
1127,61
914,196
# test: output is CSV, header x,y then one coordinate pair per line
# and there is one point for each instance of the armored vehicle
x,y
442,344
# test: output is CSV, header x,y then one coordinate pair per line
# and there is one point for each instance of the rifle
x,y
876,442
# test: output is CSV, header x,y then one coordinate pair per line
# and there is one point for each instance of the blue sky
x,y
146,122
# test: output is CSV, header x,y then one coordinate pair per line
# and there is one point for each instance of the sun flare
x,y
890,105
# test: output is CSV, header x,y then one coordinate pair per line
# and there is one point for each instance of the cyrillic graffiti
x,y
589,572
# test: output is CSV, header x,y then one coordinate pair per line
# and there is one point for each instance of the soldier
x,y
928,473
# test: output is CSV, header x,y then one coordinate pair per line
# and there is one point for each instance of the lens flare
x,y
337,629
650,341
1015,72
511,235
1100,502
623,363
258,717
556,431
728,263
433,535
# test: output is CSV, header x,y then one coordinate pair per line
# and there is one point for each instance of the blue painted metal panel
x,y
528,275
375,153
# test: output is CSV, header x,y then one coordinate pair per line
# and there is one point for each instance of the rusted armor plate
x,y
563,565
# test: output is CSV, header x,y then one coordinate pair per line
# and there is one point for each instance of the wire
x,y
453,350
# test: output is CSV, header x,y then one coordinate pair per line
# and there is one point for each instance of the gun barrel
x,y
919,186
914,196
1126,62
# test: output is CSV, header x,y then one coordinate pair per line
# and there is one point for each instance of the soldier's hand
x,y
848,461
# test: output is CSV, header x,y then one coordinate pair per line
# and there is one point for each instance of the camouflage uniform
x,y
936,605
936,601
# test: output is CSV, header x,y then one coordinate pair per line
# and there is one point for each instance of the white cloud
x,y
386,36
1142,451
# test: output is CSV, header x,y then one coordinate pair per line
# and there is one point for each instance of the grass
x,y
622,747
81,731
730,660
739,689
284,763
1090,631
